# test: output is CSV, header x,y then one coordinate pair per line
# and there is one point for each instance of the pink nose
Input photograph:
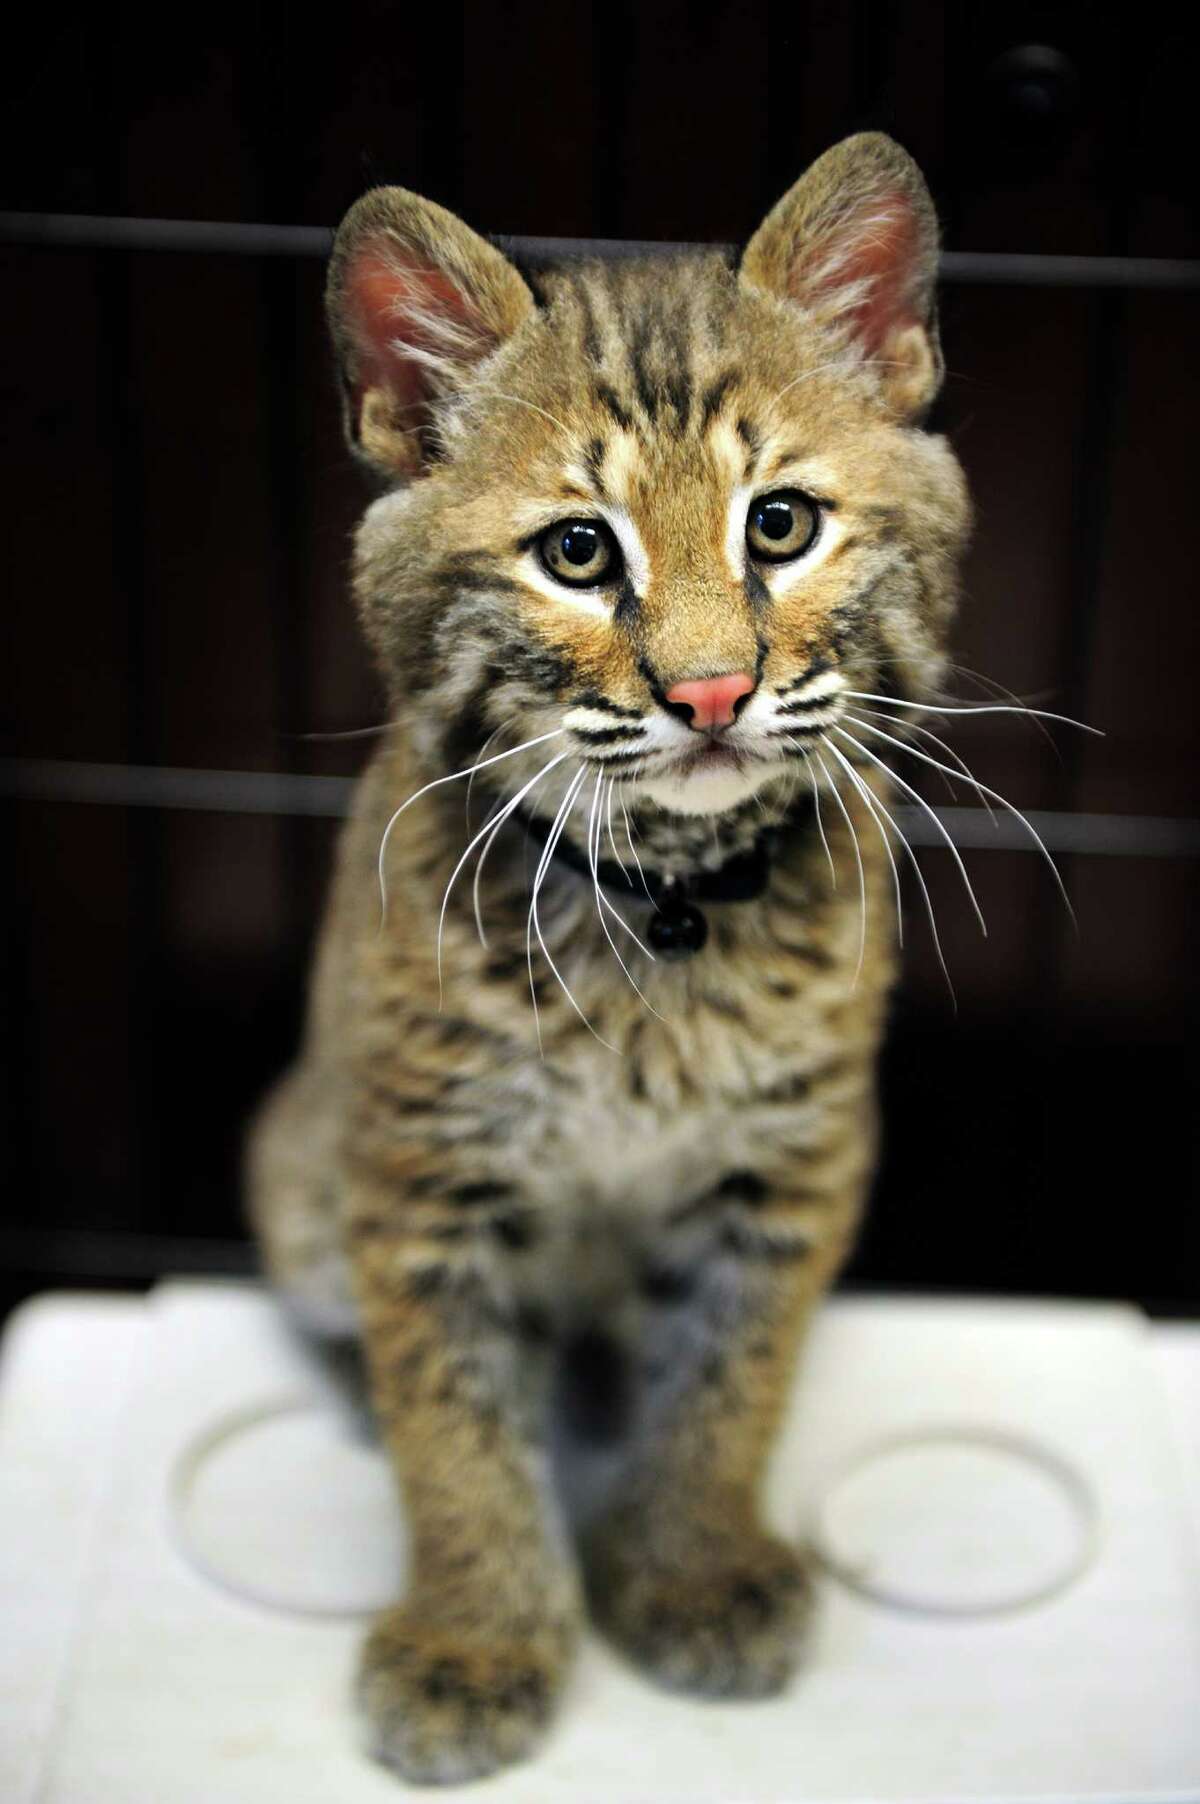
x,y
712,699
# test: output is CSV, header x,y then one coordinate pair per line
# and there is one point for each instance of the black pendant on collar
x,y
677,928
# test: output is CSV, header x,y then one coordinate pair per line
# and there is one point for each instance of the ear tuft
x,y
855,242
416,302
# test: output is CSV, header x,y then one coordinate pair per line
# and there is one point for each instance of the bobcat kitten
x,y
594,1089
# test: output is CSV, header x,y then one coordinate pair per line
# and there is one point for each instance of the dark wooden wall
x,y
179,507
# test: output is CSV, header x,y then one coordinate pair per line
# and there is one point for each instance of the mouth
x,y
709,778
715,757
714,754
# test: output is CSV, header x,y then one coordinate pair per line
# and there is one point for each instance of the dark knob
x,y
1034,90
679,933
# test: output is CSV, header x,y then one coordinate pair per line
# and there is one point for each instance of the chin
x,y
700,791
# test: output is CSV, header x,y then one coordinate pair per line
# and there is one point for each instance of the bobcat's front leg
x,y
462,1676
682,1572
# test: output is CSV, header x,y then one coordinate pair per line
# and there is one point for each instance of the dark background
x,y
176,547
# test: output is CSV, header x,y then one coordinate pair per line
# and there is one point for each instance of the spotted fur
x,y
530,1161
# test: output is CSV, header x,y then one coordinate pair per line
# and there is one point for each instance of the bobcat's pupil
x,y
775,519
580,544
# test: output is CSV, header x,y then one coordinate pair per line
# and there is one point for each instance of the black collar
x,y
678,927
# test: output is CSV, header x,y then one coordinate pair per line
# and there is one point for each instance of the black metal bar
x,y
146,848
165,786
109,1255
85,231
295,794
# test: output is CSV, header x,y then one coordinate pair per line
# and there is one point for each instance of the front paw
x,y
723,1620
444,1705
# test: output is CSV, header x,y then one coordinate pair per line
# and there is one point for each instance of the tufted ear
x,y
855,242
416,301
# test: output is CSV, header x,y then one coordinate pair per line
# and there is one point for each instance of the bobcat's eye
x,y
579,552
782,525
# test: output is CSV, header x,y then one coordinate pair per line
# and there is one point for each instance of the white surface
x,y
126,1677
957,1522
66,1367
247,1514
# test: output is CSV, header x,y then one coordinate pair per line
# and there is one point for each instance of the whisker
x,y
805,755
453,776
346,733
893,701
816,793
923,804
489,828
494,394
477,879
995,795
949,750
495,820
911,726
991,687
602,901
842,363
471,779
547,853
862,881
612,784
543,861
865,793
924,888
633,849
616,913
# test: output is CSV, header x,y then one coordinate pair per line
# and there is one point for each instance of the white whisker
x,y
812,776
862,881
612,784
989,686
543,861
869,800
496,819
1021,703
548,853
490,827
471,779
893,701
920,876
633,849
477,879
494,394
615,912
350,733
923,804
843,363
602,901
913,727
995,795
437,782
816,792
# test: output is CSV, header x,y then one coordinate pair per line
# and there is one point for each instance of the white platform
x,y
128,1677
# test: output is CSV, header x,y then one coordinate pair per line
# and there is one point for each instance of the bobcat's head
x,y
673,512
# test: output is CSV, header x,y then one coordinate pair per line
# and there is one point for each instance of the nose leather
x,y
711,699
